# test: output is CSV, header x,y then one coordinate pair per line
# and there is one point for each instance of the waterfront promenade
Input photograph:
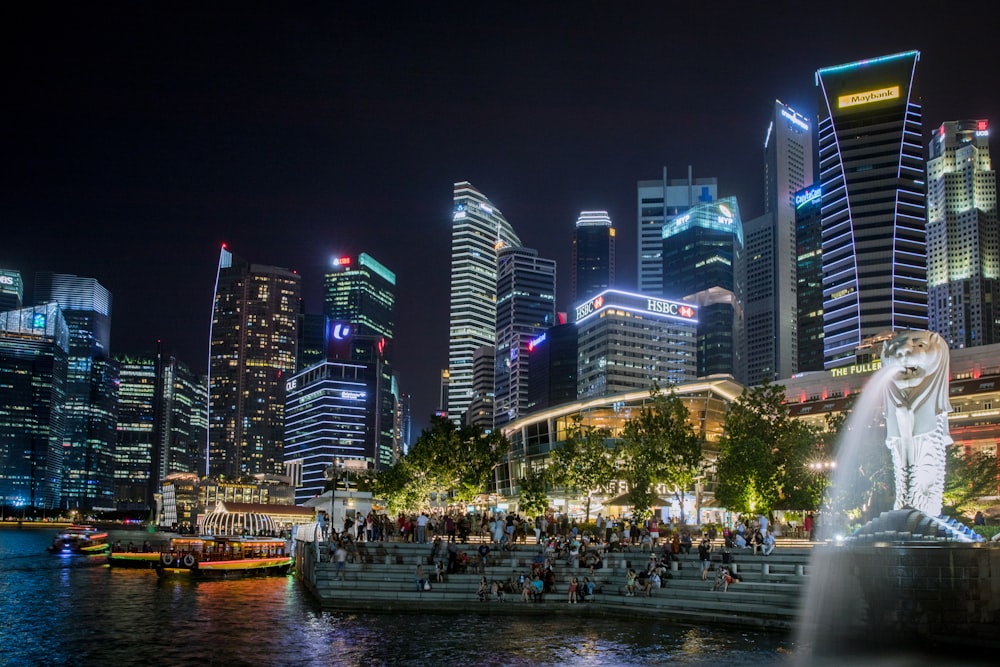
x,y
382,578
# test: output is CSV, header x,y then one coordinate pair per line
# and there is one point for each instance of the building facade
x,y
874,202
659,202
809,277
34,348
326,422
253,340
526,307
628,341
703,265
11,290
770,305
478,231
91,390
138,432
553,362
963,248
593,258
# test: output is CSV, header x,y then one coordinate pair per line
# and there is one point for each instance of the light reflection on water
x,y
73,611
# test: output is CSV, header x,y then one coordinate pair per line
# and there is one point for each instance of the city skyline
x,y
142,142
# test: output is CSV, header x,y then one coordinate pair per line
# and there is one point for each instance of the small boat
x,y
210,557
79,539
143,558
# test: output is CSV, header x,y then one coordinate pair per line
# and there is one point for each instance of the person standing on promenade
x,y
340,555
573,586
705,556
654,532
809,525
422,528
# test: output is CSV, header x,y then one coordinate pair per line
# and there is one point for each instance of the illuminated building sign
x,y
803,197
857,369
868,97
341,331
726,215
536,342
38,321
342,261
795,120
353,395
636,303
6,280
291,384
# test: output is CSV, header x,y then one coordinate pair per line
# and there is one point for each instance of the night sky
x,y
138,137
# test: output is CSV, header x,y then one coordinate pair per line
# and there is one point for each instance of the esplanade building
x,y
974,420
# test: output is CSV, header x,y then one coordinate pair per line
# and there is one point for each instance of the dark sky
x,y
140,136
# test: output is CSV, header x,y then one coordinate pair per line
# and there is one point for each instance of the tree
x,y
659,446
968,478
534,500
584,462
748,465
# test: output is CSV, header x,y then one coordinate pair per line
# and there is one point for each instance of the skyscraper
x,y
253,339
478,231
34,346
963,249
593,255
136,446
770,303
658,203
526,307
809,277
91,390
11,290
362,292
184,411
871,172
702,265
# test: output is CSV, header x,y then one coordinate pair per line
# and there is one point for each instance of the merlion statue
x,y
916,417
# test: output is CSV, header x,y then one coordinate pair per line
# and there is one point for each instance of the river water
x,y
74,610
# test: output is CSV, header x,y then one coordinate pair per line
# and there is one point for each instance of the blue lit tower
x,y
34,347
770,304
702,255
526,307
252,354
963,250
871,171
478,231
361,291
659,202
91,390
593,259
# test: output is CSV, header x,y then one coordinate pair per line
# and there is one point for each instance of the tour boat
x,y
84,540
209,557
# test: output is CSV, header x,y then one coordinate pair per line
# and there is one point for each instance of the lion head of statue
x,y
920,361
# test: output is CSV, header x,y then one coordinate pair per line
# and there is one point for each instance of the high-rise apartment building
x,y
628,341
526,307
593,258
770,304
11,290
478,231
809,277
702,265
91,390
361,291
871,170
659,202
253,339
963,249
34,347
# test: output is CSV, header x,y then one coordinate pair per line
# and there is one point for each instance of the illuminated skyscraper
x,y
34,346
135,449
871,172
91,390
809,277
253,339
478,231
702,265
526,307
770,305
362,292
593,255
11,290
963,249
659,202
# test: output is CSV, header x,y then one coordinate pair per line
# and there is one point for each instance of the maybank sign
x,y
867,97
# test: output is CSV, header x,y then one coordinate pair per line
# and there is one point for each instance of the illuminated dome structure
x,y
222,521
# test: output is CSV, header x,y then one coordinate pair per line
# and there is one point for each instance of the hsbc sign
x,y
636,303
670,308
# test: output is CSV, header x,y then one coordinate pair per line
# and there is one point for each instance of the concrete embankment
x,y
383,578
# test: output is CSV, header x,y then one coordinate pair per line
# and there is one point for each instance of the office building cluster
x,y
864,229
